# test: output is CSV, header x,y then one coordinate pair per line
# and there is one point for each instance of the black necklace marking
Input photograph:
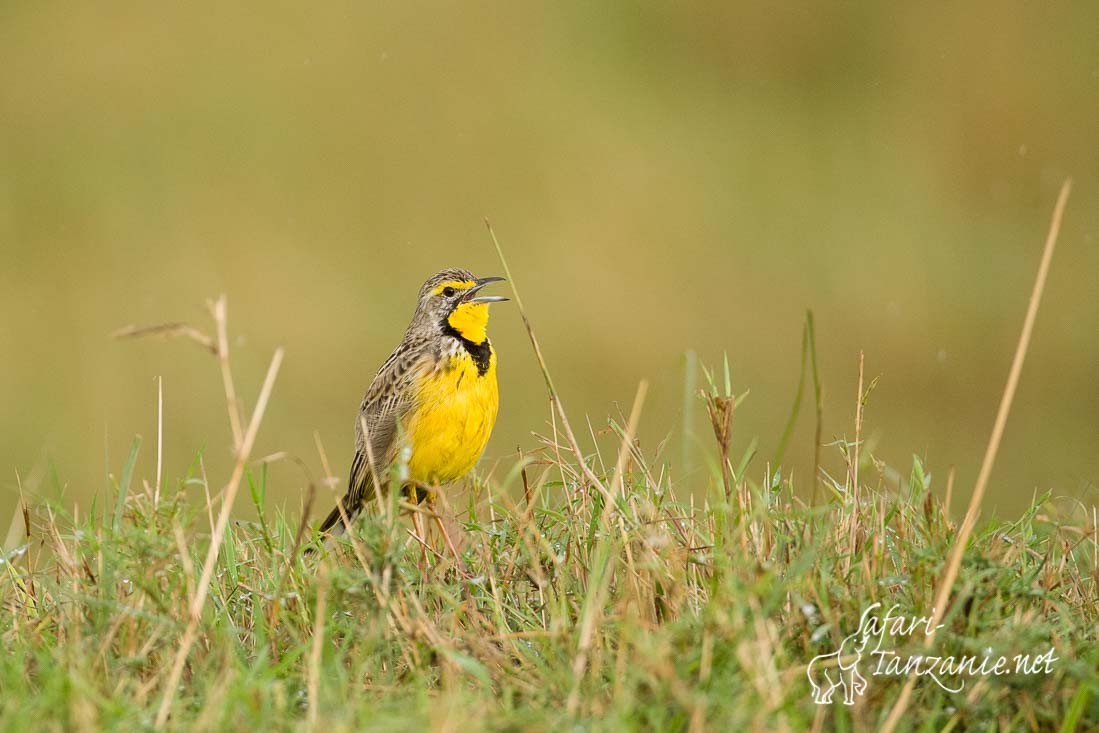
x,y
480,353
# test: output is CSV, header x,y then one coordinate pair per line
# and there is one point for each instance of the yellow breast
x,y
448,431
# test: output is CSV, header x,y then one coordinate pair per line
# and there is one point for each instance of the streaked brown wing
x,y
388,400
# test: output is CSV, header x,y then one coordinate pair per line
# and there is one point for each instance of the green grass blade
x,y
124,484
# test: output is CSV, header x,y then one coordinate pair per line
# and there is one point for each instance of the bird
x,y
431,407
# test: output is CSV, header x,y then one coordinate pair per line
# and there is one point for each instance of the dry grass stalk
x,y
244,449
954,562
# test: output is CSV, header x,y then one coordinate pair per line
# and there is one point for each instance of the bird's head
x,y
451,301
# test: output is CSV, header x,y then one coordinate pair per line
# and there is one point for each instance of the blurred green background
x,y
663,177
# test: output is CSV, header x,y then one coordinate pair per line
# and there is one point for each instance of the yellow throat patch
x,y
470,320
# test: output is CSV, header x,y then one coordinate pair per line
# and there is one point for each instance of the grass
x,y
594,592
632,602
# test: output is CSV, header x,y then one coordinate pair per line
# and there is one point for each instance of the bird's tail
x,y
334,524
360,490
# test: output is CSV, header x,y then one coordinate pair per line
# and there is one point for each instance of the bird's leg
x,y
441,524
446,537
421,536
424,502
413,494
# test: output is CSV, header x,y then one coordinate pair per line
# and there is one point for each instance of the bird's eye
x,y
448,292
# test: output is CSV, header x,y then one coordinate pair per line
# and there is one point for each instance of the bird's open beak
x,y
472,297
